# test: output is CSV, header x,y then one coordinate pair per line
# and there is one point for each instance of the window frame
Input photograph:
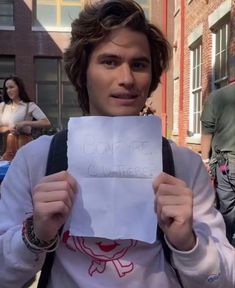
x,y
38,26
224,80
60,82
147,7
4,75
9,26
194,132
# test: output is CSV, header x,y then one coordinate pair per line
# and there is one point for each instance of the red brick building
x,y
204,56
203,60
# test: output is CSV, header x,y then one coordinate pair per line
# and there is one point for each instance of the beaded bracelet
x,y
33,243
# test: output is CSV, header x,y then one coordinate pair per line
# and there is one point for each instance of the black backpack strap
x,y
167,157
56,162
57,158
169,168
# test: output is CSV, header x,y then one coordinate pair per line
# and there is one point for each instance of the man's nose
x,y
126,77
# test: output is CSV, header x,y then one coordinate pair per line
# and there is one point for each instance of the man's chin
x,y
124,112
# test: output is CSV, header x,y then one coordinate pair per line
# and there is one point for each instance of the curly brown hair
x,y
95,22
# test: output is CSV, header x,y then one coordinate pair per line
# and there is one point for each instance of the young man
x,y
115,61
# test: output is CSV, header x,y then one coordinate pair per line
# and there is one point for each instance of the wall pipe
x,y
164,75
182,64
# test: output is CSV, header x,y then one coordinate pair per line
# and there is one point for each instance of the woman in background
x,y
18,115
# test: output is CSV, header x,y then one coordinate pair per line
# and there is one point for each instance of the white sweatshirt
x,y
98,263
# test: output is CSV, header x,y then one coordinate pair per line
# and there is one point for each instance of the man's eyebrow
x,y
115,56
108,55
143,59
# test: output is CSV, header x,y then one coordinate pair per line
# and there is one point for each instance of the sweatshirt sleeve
x,y
18,263
212,261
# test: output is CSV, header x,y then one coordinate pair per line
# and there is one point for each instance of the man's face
x,y
119,74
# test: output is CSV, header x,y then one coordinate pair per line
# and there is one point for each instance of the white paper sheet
x,y
114,160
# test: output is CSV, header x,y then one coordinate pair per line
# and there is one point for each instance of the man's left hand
x,y
174,207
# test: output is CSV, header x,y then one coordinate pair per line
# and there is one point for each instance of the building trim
x,y
182,70
7,28
219,13
195,35
194,139
50,29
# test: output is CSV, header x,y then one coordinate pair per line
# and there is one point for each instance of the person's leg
x,y
226,194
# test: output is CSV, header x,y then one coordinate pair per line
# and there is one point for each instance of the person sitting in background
x,y
16,116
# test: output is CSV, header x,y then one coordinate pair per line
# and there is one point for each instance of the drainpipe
x,y
181,88
164,76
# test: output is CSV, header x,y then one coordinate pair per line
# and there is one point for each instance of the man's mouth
x,y
124,96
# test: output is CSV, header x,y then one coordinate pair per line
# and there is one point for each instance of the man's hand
x,y
53,198
174,208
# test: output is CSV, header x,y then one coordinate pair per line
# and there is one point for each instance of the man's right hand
x,y
53,198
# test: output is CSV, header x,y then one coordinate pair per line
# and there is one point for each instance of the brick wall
x,y
196,13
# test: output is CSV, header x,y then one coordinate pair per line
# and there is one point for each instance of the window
x,y
57,13
6,13
7,67
177,6
196,90
221,40
145,4
54,93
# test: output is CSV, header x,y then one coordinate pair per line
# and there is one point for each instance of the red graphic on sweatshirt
x,y
102,251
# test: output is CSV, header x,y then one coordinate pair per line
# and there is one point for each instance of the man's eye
x,y
139,65
109,63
